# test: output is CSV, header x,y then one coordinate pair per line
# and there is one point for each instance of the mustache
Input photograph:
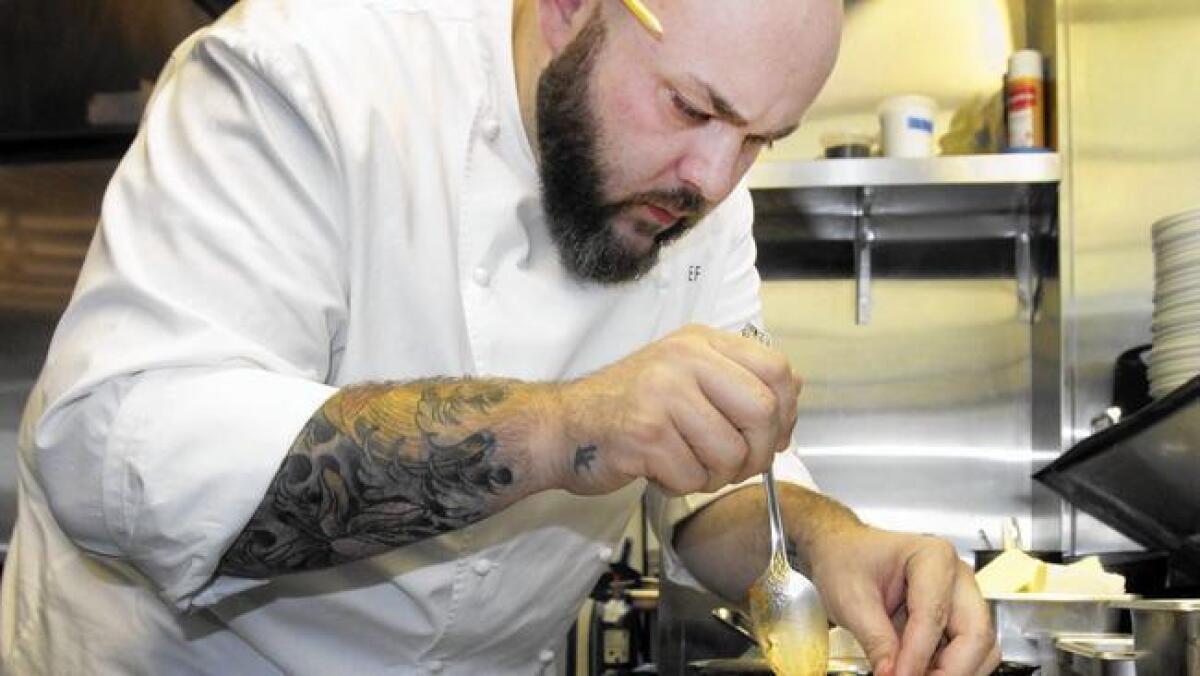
x,y
683,200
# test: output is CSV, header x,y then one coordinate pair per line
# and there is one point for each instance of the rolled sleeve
x,y
206,322
173,514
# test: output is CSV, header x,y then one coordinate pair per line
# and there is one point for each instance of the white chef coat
x,y
322,193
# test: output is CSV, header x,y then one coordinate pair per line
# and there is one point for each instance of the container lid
x,y
1170,605
1140,476
1025,63
909,103
1053,597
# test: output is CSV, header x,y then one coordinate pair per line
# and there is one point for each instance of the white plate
x,y
1158,392
1170,298
1161,386
1181,231
1184,219
1160,376
1174,319
1171,350
1172,378
1177,257
1171,339
1178,320
1178,272
1169,366
1168,355
1175,292
1161,358
1180,240
1174,347
1173,226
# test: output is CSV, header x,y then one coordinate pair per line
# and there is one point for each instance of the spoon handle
x,y
778,542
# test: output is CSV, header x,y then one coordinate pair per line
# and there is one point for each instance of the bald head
x,y
769,58
661,128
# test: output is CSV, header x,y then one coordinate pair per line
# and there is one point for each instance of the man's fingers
x,y
931,579
767,364
746,402
972,645
674,467
873,629
716,444
992,662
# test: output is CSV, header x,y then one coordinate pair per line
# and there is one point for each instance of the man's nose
x,y
709,162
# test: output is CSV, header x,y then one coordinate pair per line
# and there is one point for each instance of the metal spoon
x,y
785,608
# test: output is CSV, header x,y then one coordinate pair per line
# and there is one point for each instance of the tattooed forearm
x,y
380,466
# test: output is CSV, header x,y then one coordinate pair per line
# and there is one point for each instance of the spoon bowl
x,y
785,608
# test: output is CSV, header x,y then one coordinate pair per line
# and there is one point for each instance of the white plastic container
x,y
907,126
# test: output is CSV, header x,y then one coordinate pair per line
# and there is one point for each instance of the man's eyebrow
x,y
723,109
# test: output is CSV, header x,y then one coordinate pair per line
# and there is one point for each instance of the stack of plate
x,y
1175,356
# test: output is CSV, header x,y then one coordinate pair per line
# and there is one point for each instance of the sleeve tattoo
x,y
377,467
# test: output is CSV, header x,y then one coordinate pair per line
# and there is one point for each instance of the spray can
x,y
1025,100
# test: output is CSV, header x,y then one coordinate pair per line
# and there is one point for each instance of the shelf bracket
x,y
1023,252
864,237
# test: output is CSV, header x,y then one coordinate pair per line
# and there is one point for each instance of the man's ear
x,y
561,20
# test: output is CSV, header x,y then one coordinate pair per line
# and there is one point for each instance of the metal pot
x,y
758,667
1096,655
1166,633
747,666
1026,624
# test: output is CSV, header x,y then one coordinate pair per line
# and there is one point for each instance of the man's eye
x,y
688,110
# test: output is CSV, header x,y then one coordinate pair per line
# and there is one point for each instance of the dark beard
x,y
573,176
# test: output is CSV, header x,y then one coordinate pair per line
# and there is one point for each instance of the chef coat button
x,y
490,127
605,554
546,656
481,276
482,567
436,666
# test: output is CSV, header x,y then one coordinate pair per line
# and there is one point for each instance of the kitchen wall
x,y
1130,91
897,421
922,419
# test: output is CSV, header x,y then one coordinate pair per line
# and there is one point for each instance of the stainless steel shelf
x,y
871,201
1029,168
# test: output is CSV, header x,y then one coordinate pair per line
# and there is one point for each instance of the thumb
x,y
876,634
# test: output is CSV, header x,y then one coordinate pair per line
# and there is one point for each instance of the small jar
x,y
907,126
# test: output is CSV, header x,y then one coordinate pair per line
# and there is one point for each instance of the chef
x,y
395,311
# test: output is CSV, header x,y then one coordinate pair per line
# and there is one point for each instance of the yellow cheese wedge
x,y
1086,576
1012,571
1091,563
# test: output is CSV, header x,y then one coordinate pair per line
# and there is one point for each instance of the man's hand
x,y
908,599
694,411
